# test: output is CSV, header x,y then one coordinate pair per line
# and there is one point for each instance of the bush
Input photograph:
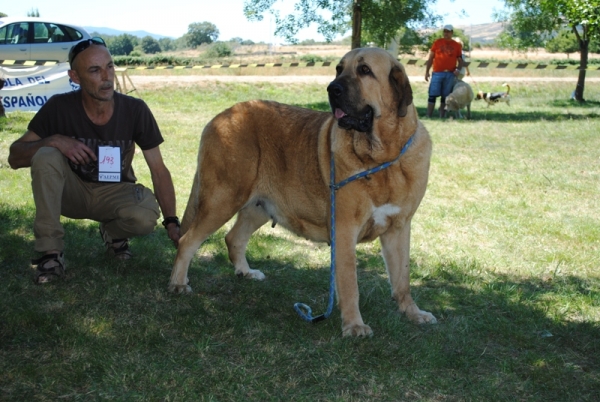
x,y
311,58
219,49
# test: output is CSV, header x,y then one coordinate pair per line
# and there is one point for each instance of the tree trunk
x,y
356,24
583,62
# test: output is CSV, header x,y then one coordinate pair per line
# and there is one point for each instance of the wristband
x,y
171,219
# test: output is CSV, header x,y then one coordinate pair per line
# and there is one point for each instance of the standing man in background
x,y
446,58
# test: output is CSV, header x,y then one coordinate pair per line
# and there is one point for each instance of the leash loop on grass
x,y
303,310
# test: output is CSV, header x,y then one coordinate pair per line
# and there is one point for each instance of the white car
x,y
31,38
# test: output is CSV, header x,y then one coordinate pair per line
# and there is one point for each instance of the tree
x,y
377,20
564,42
150,45
532,21
201,32
166,44
2,15
33,13
122,45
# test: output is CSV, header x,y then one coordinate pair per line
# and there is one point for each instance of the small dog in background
x,y
494,97
460,97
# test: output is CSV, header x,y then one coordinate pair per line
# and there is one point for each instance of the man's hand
x,y
174,233
23,149
76,151
427,76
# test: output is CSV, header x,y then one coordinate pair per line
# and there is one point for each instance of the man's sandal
x,y
48,267
116,248
119,249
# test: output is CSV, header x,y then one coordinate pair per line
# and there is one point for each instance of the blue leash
x,y
303,310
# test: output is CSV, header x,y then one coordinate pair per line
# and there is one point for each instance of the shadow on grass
x,y
111,330
506,115
502,112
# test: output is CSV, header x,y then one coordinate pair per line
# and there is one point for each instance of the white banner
x,y
28,88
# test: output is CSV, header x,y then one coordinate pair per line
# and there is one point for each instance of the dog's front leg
x,y
347,284
395,244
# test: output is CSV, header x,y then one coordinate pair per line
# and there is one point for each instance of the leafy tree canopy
x,y
201,32
381,19
150,45
564,42
3,15
166,44
122,45
532,21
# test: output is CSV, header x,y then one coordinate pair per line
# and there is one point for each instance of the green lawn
x,y
505,253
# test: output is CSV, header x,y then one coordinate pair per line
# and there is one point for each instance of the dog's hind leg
x,y
249,219
395,244
207,220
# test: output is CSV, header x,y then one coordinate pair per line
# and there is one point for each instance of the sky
x,y
171,18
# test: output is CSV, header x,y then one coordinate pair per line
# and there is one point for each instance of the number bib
x,y
109,164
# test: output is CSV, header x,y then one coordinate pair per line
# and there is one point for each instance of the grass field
x,y
505,253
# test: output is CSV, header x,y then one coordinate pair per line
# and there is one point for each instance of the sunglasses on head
x,y
84,44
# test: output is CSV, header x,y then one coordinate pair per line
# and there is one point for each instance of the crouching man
x,y
79,147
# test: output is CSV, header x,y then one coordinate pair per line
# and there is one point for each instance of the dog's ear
x,y
402,89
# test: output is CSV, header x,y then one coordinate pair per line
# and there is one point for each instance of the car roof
x,y
10,20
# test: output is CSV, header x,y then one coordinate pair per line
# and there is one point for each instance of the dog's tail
x,y
192,205
507,88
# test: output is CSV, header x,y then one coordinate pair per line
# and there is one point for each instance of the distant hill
x,y
116,32
482,33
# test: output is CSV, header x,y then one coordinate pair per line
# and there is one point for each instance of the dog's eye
x,y
338,70
364,69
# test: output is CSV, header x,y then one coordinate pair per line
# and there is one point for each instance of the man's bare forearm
x,y
21,152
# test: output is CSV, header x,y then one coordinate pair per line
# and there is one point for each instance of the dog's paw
x,y
180,289
423,317
357,330
252,274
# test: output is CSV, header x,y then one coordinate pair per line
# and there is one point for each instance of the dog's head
x,y
369,84
479,95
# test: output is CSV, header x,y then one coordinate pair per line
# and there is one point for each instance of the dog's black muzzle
x,y
347,118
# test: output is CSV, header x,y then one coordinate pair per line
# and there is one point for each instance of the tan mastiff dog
x,y
267,161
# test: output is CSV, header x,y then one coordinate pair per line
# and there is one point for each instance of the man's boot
x,y
430,107
442,110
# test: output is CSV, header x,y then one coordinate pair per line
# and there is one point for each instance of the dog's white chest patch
x,y
380,214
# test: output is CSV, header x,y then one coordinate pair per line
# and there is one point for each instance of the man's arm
x,y
461,63
163,188
23,149
428,65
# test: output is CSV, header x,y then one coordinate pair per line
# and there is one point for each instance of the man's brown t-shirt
x,y
132,123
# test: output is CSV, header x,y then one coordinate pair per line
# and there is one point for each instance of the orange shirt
x,y
446,52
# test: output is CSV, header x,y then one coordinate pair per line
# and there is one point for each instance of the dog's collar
x,y
376,169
